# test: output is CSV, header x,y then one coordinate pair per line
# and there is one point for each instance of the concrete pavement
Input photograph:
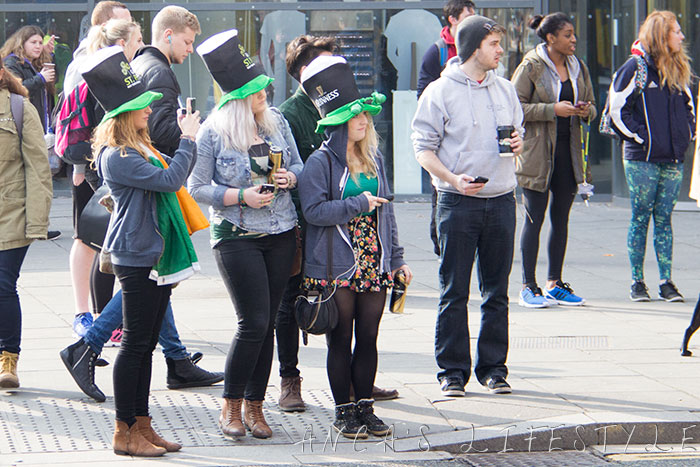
x,y
575,372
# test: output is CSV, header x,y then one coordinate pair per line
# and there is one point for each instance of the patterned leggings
x,y
653,190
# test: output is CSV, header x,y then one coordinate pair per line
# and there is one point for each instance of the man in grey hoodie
x,y
455,138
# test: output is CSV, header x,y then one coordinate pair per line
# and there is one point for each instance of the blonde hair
x,y
113,30
674,67
366,149
120,132
176,18
237,125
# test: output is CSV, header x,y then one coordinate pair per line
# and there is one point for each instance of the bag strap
x,y
17,109
329,265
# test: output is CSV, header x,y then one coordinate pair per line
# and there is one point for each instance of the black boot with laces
x,y
365,413
347,423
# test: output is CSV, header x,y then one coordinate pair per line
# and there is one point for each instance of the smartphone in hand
x,y
266,188
480,179
192,101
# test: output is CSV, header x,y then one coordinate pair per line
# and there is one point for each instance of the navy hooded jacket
x,y
657,125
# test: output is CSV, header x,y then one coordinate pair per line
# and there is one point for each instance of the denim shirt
x,y
218,169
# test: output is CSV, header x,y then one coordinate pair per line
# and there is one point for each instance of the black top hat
x,y
231,66
115,86
330,84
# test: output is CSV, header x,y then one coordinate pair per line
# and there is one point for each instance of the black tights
x,y
101,286
359,365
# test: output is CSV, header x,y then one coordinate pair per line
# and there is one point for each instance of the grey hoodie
x,y
457,119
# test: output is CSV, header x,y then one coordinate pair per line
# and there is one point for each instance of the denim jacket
x,y
219,169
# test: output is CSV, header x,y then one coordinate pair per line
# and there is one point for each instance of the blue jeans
x,y
111,318
10,311
484,228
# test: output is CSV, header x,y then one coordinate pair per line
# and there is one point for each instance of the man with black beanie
x,y
456,126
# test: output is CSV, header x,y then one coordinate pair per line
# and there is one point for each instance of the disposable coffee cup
x,y
504,133
50,65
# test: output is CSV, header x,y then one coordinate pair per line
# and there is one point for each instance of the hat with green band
x,y
115,86
231,67
330,84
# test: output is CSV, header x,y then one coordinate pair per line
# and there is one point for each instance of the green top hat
x,y
330,84
231,66
115,86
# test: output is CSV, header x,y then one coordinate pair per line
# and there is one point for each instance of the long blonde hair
x,y
110,33
674,67
366,149
120,132
237,125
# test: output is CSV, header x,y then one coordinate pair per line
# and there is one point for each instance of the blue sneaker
x,y
81,323
531,297
563,294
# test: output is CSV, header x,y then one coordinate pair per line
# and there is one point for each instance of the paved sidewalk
x,y
572,369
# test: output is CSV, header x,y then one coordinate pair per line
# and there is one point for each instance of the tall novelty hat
x,y
330,84
115,86
231,66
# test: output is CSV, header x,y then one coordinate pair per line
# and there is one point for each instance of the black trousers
x,y
287,330
563,189
143,308
255,272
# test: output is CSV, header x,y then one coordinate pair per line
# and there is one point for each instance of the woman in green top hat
x,y
244,149
351,227
147,237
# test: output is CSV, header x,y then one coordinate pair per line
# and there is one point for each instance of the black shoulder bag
x,y
316,312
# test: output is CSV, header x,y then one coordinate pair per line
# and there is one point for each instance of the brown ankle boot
x,y
143,424
8,370
230,418
290,395
255,420
130,442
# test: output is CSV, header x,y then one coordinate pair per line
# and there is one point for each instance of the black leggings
x,y
359,365
563,188
143,309
255,272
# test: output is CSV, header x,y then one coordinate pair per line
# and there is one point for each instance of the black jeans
x,y
563,188
10,311
287,330
255,272
483,228
143,308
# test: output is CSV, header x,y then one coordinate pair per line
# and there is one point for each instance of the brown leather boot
x,y
230,418
130,442
290,396
143,423
255,420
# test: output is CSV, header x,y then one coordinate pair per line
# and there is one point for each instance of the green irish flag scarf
x,y
179,260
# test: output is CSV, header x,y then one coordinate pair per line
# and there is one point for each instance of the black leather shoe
x,y
80,359
185,374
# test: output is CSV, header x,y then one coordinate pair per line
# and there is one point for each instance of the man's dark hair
x,y
455,8
303,49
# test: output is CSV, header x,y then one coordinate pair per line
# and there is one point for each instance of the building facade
x,y
384,41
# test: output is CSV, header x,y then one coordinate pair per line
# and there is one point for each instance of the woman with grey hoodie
x,y
343,192
555,90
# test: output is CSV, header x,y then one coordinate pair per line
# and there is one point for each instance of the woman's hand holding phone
x,y
256,200
374,201
189,122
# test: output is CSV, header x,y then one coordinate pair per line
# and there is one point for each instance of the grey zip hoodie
x,y
457,119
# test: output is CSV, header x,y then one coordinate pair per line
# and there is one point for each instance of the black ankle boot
x,y
346,422
365,414
80,359
185,374
694,325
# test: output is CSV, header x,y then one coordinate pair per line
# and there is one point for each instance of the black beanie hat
x,y
470,32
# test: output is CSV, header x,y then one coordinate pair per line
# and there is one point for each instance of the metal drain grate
x,y
31,424
528,459
559,342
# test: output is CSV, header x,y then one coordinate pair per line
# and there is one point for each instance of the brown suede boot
x,y
230,418
130,442
255,420
290,394
143,424
8,370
